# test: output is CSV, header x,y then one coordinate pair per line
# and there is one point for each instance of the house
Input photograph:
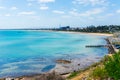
x,y
65,28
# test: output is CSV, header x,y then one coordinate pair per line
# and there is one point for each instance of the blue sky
x,y
52,13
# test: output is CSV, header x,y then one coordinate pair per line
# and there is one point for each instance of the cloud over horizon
x,y
55,12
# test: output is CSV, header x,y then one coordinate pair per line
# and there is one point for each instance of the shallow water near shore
x,y
35,52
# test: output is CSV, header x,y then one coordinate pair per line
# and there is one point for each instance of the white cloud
x,y
109,14
65,16
58,12
118,11
44,8
14,8
30,0
7,15
90,2
27,13
42,1
74,9
74,13
94,11
1,7
29,4
46,1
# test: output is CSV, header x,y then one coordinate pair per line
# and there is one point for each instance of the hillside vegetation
x,y
107,69
90,29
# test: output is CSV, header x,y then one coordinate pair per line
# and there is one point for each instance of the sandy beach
x,y
72,32
98,34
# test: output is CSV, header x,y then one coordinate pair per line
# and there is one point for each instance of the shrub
x,y
99,73
112,66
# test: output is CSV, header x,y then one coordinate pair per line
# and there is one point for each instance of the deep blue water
x,y
32,52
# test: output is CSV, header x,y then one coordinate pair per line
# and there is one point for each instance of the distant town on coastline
x,y
96,29
90,29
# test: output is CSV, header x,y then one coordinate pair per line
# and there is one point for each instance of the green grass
x,y
112,66
108,67
73,74
99,73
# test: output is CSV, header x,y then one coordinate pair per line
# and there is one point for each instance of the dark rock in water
x,y
47,68
63,61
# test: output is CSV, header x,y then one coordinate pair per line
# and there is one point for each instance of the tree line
x,y
95,29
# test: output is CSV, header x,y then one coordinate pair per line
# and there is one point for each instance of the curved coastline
x,y
58,68
73,32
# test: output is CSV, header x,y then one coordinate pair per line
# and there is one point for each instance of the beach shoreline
x,y
58,67
73,32
62,69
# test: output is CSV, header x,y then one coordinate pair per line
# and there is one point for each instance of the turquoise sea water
x,y
32,52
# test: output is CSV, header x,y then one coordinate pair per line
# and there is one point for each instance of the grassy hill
x,y
107,69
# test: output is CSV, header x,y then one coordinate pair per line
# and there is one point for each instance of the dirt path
x,y
81,76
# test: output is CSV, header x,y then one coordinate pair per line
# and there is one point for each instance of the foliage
x,y
99,73
91,29
73,74
107,68
112,66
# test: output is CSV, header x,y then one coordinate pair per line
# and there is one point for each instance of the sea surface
x,y
34,52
